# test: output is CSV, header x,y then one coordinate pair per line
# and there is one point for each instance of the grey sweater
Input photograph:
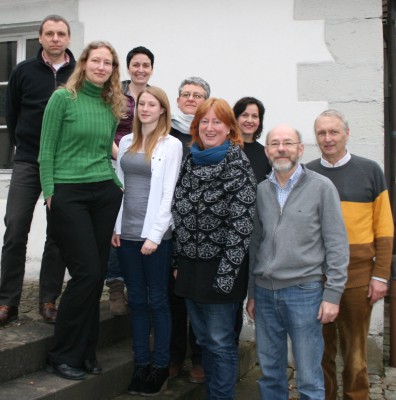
x,y
303,241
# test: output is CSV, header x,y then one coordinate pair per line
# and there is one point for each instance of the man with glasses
x,y
298,236
193,92
30,86
368,218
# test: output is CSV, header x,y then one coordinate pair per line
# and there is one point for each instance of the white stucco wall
x,y
298,56
240,47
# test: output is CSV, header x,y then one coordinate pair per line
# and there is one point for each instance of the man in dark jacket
x,y
30,86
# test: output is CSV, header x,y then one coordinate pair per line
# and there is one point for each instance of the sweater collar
x,y
90,89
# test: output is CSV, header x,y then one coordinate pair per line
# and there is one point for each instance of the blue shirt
x,y
282,193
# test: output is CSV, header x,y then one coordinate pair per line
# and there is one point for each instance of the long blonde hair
x,y
161,130
112,92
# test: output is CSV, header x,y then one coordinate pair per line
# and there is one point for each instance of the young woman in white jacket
x,y
148,166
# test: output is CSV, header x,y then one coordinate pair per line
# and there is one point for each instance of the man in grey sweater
x,y
298,267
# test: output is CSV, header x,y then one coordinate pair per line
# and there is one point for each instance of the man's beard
x,y
284,167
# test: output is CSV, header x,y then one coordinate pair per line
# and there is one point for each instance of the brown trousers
x,y
352,326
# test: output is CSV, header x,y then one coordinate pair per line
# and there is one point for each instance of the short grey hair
x,y
334,114
195,80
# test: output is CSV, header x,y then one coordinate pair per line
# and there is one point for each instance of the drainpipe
x,y
392,315
390,37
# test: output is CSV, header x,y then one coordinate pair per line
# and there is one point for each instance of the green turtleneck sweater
x,y
76,139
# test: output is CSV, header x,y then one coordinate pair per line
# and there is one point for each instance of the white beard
x,y
284,167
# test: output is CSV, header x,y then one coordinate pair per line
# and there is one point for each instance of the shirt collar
x,y
292,180
48,62
339,163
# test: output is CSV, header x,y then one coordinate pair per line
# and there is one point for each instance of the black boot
x,y
139,377
156,382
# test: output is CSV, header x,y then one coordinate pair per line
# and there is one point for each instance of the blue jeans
x,y
146,278
113,272
291,311
214,327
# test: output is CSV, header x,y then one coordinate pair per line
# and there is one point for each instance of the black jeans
x,y
81,220
23,194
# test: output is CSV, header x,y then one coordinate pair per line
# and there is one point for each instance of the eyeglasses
x,y
287,145
195,96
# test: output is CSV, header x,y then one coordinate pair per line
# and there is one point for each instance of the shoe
x,y
197,374
8,314
175,370
156,382
66,371
118,303
92,367
139,376
48,311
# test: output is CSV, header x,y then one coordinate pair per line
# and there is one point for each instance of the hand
x,y
115,240
175,273
377,290
48,202
148,247
328,312
250,308
114,151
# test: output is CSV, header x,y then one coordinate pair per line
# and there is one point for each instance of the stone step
x,y
23,347
117,362
181,389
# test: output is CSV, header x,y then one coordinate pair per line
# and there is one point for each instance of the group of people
x,y
198,214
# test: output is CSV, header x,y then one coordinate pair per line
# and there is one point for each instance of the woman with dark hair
x,y
148,165
213,209
140,63
83,196
249,113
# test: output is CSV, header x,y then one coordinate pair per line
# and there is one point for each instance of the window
x,y
13,49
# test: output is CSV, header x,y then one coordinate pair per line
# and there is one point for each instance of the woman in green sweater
x,y
83,196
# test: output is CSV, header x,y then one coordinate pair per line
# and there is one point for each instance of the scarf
x,y
210,156
182,122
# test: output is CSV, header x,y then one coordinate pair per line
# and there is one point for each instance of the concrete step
x,y
23,348
117,363
181,389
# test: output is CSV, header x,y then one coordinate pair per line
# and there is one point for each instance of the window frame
x,y
21,43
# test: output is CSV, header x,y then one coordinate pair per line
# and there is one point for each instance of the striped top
x,y
76,139
367,215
